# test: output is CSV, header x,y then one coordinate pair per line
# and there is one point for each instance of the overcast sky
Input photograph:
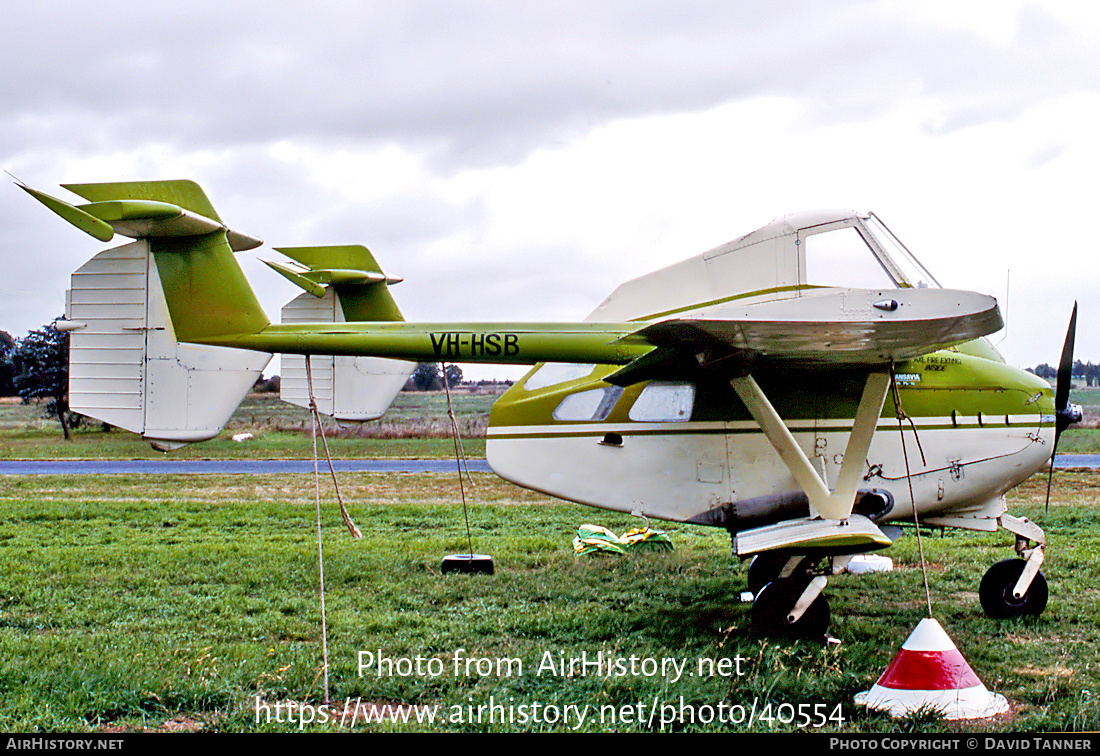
x,y
518,160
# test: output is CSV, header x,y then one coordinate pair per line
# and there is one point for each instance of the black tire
x,y
766,566
763,569
774,602
996,596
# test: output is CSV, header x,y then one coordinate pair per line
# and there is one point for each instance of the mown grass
x,y
416,427
126,602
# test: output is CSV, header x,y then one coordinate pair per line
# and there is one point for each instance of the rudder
x,y
126,366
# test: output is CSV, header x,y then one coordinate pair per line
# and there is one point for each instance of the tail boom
x,y
494,343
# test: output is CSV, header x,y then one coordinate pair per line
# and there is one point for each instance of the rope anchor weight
x,y
468,563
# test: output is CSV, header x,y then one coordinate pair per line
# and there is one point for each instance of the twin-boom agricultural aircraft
x,y
807,387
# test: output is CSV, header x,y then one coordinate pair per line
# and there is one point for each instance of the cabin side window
x,y
588,406
664,403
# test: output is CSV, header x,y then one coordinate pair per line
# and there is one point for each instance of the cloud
x,y
486,83
538,154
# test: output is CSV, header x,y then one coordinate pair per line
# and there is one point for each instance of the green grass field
x,y
191,602
1085,437
180,603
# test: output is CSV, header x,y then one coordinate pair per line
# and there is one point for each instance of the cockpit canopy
x,y
787,258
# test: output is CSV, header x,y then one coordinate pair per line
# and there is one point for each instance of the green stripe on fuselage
x,y
934,386
731,298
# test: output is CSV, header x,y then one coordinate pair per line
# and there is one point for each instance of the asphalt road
x,y
280,466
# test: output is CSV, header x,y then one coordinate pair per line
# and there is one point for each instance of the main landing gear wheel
x,y
765,568
773,605
769,565
996,596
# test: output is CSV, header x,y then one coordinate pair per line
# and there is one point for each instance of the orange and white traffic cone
x,y
930,673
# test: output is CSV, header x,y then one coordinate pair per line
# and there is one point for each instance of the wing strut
x,y
835,505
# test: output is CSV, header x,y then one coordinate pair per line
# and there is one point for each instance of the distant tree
x,y
1046,371
1090,372
7,364
453,374
41,361
426,376
267,385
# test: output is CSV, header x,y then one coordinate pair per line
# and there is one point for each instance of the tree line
x,y
427,376
1086,370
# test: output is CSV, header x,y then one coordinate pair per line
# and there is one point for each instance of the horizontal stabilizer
x,y
81,219
350,270
296,278
143,210
347,258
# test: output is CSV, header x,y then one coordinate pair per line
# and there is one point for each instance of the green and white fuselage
x,y
689,450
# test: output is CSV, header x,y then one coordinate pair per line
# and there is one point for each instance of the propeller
x,y
1065,414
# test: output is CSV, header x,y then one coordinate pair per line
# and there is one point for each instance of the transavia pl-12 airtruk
x,y
806,386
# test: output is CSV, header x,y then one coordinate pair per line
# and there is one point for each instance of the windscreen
x,y
915,274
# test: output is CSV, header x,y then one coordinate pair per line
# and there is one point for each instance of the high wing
x,y
849,327
852,326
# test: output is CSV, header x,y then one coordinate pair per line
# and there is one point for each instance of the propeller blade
x,y
1065,366
1050,479
1064,414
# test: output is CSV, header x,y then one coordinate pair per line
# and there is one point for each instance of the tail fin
x,y
342,284
130,308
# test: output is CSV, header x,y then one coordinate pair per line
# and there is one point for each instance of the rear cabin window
x,y
588,406
664,403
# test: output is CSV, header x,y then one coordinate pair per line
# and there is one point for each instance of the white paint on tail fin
x,y
126,367
349,389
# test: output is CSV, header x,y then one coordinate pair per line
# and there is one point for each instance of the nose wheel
x,y
1015,587
771,565
997,591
